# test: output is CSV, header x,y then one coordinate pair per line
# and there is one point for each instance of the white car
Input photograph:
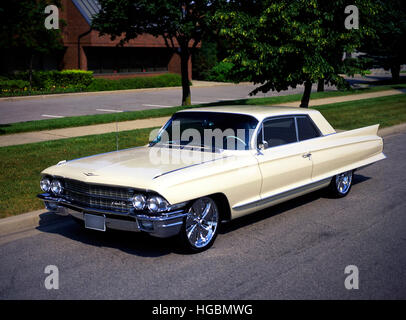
x,y
175,186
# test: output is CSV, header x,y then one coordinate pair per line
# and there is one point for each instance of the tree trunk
x,y
320,85
395,70
306,94
186,96
30,70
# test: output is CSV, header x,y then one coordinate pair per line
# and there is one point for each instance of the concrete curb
x,y
27,221
41,218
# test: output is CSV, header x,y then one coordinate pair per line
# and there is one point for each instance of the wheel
x,y
341,184
201,225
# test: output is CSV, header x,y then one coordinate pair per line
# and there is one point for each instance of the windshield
x,y
208,130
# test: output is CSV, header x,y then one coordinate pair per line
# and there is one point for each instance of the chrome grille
x,y
98,196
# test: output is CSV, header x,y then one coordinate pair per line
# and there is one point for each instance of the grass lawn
x,y
20,166
77,121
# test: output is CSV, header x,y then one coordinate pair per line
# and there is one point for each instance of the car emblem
x,y
118,203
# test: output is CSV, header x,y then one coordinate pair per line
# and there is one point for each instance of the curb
x,y
41,218
27,221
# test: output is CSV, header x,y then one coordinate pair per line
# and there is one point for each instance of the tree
x,y
22,27
388,48
182,25
285,43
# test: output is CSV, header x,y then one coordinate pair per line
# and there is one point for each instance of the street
x,y
296,250
37,108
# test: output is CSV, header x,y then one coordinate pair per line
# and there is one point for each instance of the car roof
x,y
259,112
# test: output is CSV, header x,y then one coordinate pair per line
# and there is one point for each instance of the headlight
x,y
139,201
157,204
45,184
56,187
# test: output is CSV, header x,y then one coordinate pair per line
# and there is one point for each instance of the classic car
x,y
187,187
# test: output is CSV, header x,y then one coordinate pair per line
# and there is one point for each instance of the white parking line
x,y
156,105
201,102
109,110
51,116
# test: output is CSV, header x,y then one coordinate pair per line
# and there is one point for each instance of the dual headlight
x,y
152,203
54,186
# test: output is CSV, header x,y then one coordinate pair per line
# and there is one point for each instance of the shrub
x,y
13,85
221,72
48,80
165,80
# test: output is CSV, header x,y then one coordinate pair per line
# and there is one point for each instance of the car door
x,y
283,161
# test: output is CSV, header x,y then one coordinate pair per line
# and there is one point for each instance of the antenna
x,y
116,133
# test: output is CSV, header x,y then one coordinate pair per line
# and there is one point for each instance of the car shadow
x,y
143,245
134,243
283,207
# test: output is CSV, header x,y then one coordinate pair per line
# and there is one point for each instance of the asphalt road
x,y
75,105
36,108
297,250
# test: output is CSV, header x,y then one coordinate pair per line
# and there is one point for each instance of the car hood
x,y
137,167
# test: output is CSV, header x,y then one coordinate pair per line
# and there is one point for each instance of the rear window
x,y
306,129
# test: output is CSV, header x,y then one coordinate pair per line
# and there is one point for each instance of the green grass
x,y
387,111
78,121
20,166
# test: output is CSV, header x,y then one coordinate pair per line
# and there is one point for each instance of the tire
x,y
341,184
200,227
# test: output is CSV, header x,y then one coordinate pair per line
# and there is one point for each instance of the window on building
x,y
127,60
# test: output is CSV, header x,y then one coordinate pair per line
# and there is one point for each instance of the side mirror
x,y
263,145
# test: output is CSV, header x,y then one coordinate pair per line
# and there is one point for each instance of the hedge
x,y
48,80
165,80
10,86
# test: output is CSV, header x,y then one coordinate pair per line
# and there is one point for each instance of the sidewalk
x,y
38,136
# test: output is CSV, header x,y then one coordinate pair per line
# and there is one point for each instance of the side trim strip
x,y
283,194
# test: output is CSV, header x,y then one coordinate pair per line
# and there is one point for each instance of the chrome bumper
x,y
163,226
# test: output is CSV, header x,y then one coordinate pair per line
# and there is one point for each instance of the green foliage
x,y
204,60
221,72
166,80
22,26
388,48
9,86
182,25
282,44
47,80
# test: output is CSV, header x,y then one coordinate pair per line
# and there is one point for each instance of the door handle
x,y
307,155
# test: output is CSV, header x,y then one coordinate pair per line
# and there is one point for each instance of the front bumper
x,y
166,225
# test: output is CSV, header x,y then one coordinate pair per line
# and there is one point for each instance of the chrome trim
x,y
282,194
189,166
163,226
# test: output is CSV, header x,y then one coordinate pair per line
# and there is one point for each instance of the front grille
x,y
98,196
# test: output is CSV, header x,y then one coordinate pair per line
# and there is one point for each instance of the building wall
x,y
77,25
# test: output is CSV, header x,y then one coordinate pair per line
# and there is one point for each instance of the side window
x,y
279,131
306,129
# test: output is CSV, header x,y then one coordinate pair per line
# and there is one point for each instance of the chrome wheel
x,y
202,222
343,182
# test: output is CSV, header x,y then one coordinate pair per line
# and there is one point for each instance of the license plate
x,y
95,222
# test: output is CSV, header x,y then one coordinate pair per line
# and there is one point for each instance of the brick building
x,y
85,49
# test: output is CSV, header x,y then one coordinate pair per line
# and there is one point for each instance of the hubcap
x,y
201,222
343,182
